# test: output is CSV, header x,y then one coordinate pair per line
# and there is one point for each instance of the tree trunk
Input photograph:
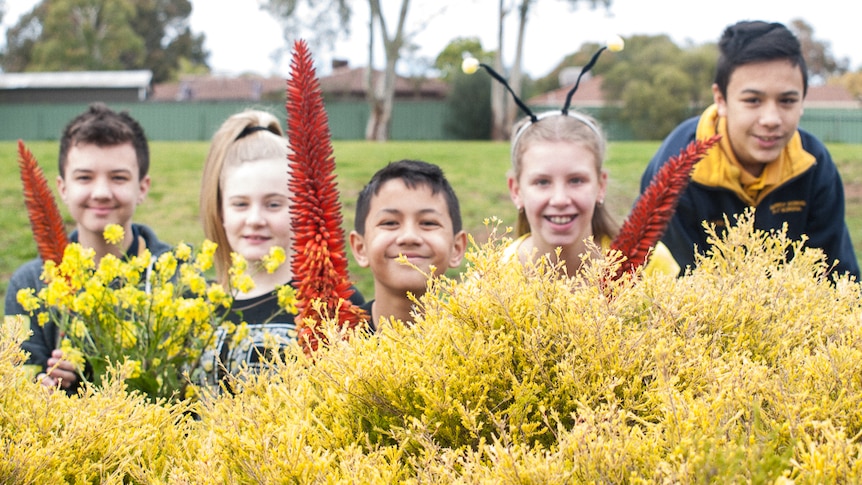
x,y
515,78
380,116
380,102
499,131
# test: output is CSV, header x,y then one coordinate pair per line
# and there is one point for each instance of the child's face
x,y
412,222
558,188
101,186
256,207
763,108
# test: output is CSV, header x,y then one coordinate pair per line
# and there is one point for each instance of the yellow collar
x,y
720,168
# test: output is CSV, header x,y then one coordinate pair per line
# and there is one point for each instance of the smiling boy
x,y
103,163
764,160
407,208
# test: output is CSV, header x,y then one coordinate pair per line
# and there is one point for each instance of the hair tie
x,y
249,130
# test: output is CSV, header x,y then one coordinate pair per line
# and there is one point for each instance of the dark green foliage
x,y
469,104
74,35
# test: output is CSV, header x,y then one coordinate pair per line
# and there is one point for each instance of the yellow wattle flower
x,y
242,282
132,368
217,295
193,279
27,299
166,265
183,251
274,259
78,328
238,264
204,261
113,233
71,354
110,267
287,298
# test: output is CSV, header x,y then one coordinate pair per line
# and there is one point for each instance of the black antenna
x,y
586,68
518,101
471,64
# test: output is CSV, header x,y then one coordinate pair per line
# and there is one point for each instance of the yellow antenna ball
x,y
470,65
616,43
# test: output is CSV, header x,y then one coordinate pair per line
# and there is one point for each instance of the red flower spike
x,y
45,219
650,216
319,259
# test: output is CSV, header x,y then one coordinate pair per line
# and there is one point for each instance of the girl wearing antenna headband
x,y
558,184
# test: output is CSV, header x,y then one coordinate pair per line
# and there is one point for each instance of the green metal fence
x,y
411,120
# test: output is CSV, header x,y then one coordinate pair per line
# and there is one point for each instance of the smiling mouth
x,y
769,139
560,219
101,209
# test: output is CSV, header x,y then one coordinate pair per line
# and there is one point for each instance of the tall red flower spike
x,y
650,216
45,218
319,260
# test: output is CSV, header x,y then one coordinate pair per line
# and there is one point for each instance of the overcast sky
x,y
242,38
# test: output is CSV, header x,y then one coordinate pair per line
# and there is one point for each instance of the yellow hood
x,y
720,168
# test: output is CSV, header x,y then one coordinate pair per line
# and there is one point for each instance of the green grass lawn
x,y
477,171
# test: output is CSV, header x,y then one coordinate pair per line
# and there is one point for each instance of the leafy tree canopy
x,y
449,60
658,83
852,81
822,64
74,35
469,100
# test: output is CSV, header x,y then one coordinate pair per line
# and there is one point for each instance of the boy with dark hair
x,y
103,175
764,161
407,208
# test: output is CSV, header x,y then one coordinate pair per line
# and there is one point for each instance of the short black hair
x,y
757,41
104,127
413,173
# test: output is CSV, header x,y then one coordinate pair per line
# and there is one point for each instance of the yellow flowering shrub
x,y
109,436
746,370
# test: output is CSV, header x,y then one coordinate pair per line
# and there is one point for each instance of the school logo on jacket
x,y
787,206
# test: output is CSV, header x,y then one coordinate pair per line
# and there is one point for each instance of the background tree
x,y
852,82
88,35
469,100
169,43
818,54
380,89
21,37
468,104
577,59
382,94
658,83
319,22
503,107
448,61
74,35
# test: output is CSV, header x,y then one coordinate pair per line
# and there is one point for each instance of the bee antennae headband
x,y
470,65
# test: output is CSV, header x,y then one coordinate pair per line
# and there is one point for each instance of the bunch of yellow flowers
x,y
155,319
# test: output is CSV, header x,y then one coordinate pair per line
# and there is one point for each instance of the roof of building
x,y
218,88
76,79
352,82
589,94
343,82
830,96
